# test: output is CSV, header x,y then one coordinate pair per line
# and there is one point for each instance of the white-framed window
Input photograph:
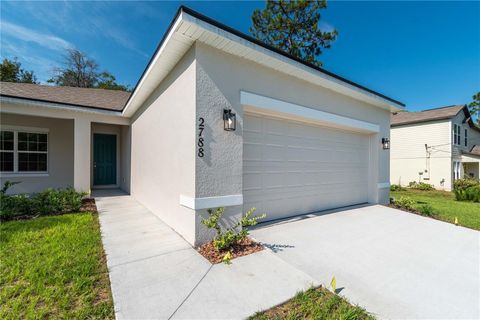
x,y
23,150
456,134
466,137
456,170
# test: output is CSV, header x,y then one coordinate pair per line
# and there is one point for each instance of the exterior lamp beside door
x,y
386,143
229,120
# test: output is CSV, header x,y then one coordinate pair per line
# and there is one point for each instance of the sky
x,y
424,54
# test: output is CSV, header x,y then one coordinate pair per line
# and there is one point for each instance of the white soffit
x,y
260,104
187,29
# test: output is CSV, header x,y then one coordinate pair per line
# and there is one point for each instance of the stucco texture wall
x,y
60,154
162,149
220,78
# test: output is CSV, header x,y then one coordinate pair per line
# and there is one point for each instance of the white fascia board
x,y
211,202
58,106
258,102
132,105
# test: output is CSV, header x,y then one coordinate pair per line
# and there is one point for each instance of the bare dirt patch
x,y
245,247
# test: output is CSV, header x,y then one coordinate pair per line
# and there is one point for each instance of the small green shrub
x,y
225,239
396,187
50,201
426,210
467,190
420,186
473,193
14,205
462,184
403,202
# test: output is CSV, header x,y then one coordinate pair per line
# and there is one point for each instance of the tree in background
x,y
11,71
474,106
293,27
81,71
106,80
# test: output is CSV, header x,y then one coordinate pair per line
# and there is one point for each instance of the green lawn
x,y
54,267
445,206
315,303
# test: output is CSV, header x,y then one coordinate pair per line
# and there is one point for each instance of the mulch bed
x,y
242,248
88,205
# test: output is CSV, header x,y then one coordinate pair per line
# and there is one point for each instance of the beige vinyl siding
x,y
409,155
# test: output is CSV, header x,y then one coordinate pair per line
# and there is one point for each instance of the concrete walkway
x,y
156,274
396,264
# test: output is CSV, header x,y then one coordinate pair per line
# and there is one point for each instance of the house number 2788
x,y
200,144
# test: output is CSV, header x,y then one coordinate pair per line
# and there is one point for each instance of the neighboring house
x,y
305,139
434,146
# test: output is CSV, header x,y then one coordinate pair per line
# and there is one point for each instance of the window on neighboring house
x,y
466,137
456,134
23,151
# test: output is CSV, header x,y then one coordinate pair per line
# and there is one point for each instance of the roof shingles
x,y
401,118
83,97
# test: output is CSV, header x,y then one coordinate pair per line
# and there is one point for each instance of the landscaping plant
x,y
419,186
226,238
50,201
426,210
396,187
467,190
406,203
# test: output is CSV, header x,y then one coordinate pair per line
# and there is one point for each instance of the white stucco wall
x,y
125,158
60,154
163,148
409,156
220,78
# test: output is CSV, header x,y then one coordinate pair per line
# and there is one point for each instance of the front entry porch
x,y
471,169
60,149
102,156
471,166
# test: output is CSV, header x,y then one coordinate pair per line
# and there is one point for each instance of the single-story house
x,y
216,119
434,146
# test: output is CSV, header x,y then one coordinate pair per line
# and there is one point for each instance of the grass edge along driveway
x,y
54,267
315,303
445,207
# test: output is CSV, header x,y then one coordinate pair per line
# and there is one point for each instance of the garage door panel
x,y
292,168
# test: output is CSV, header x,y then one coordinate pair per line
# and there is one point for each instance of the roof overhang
x,y
190,26
470,157
38,108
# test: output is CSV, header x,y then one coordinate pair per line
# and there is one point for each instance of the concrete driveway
x,y
393,263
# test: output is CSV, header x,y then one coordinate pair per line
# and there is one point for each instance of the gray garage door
x,y
291,168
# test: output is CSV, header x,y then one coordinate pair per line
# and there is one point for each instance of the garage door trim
x,y
259,104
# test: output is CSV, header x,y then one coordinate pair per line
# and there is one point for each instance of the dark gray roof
x,y
81,97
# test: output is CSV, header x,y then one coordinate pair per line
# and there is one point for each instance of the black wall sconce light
x,y
385,143
229,120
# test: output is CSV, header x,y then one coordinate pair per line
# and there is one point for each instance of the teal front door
x,y
104,159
